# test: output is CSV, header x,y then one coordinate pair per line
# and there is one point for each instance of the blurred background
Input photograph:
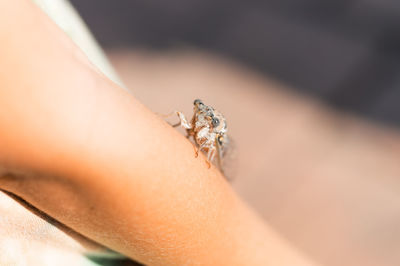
x,y
345,52
311,91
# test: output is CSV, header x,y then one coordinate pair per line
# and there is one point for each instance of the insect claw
x,y
208,164
196,151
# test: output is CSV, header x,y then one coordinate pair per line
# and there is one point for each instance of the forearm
x,y
86,152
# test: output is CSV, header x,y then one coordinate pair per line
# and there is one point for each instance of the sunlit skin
x,y
86,152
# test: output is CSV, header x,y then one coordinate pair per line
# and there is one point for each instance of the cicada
x,y
209,130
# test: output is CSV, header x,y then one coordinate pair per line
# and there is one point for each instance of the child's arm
x,y
83,150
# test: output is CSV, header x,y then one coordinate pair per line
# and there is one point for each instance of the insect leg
x,y
183,121
202,146
176,125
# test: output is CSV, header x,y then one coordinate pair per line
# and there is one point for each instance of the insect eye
x,y
215,122
197,102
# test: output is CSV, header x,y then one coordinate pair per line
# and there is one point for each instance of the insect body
x,y
209,131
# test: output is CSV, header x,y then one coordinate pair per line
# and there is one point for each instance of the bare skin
x,y
86,152
327,181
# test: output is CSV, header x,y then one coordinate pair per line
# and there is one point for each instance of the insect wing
x,y
227,159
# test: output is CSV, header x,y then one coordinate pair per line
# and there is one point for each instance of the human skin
x,y
326,180
86,152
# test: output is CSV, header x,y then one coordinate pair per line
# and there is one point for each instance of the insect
x,y
209,131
